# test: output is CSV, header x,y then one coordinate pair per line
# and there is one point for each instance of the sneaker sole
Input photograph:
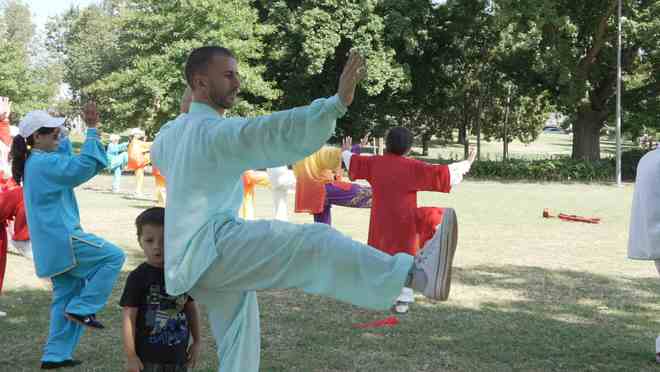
x,y
449,234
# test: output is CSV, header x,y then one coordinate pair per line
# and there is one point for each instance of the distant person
x,y
396,223
117,160
138,158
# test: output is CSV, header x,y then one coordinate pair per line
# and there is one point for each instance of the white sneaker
x,y
400,307
432,267
2,314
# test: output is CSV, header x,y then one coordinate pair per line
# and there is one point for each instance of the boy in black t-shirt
x,y
157,326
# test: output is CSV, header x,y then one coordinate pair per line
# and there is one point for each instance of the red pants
x,y
427,218
11,207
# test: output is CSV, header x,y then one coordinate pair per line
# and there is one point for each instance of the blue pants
x,y
117,164
82,290
262,254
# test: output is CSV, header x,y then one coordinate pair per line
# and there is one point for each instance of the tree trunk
x,y
586,134
478,138
505,134
466,144
426,138
462,134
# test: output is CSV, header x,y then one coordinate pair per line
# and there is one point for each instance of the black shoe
x,y
62,364
86,320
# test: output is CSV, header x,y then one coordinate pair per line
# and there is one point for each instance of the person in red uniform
x,y
396,223
11,195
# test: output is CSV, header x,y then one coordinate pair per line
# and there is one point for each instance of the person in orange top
x,y
138,158
320,185
251,179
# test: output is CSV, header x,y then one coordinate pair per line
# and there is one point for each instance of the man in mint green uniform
x,y
222,260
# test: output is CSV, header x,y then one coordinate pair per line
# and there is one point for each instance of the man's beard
x,y
222,100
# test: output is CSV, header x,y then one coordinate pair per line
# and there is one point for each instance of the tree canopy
x,y
494,69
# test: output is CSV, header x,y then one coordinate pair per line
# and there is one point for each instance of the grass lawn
x,y
529,294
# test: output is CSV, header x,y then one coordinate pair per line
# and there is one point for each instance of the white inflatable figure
x,y
282,180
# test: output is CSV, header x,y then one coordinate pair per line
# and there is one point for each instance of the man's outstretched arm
x,y
287,136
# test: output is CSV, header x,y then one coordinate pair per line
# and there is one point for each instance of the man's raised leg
x,y
254,255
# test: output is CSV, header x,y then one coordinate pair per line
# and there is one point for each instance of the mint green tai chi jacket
x,y
220,149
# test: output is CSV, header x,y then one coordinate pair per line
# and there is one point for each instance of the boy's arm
x,y
192,314
133,362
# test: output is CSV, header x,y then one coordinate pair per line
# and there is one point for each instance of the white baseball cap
x,y
34,120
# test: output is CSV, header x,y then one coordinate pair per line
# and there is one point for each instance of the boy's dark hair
x,y
399,141
154,216
199,59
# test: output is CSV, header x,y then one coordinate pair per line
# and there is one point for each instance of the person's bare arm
x,y
133,362
192,314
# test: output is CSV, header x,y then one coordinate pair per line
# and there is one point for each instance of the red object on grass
x,y
574,218
390,321
571,217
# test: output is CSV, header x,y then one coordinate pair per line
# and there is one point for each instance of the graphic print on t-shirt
x,y
164,317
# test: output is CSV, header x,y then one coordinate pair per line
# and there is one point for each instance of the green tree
x,y
452,55
309,46
86,42
138,80
569,47
25,76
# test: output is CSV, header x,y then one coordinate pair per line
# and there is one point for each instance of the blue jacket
x,y
50,204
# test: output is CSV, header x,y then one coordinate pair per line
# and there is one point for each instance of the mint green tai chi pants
x,y
263,254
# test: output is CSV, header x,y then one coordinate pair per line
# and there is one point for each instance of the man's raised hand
x,y
354,71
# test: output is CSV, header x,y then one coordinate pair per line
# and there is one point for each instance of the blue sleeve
x,y
278,139
65,147
66,170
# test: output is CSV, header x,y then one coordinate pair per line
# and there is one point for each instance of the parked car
x,y
553,129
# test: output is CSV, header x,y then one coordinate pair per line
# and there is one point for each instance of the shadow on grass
x,y
499,318
556,321
25,329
